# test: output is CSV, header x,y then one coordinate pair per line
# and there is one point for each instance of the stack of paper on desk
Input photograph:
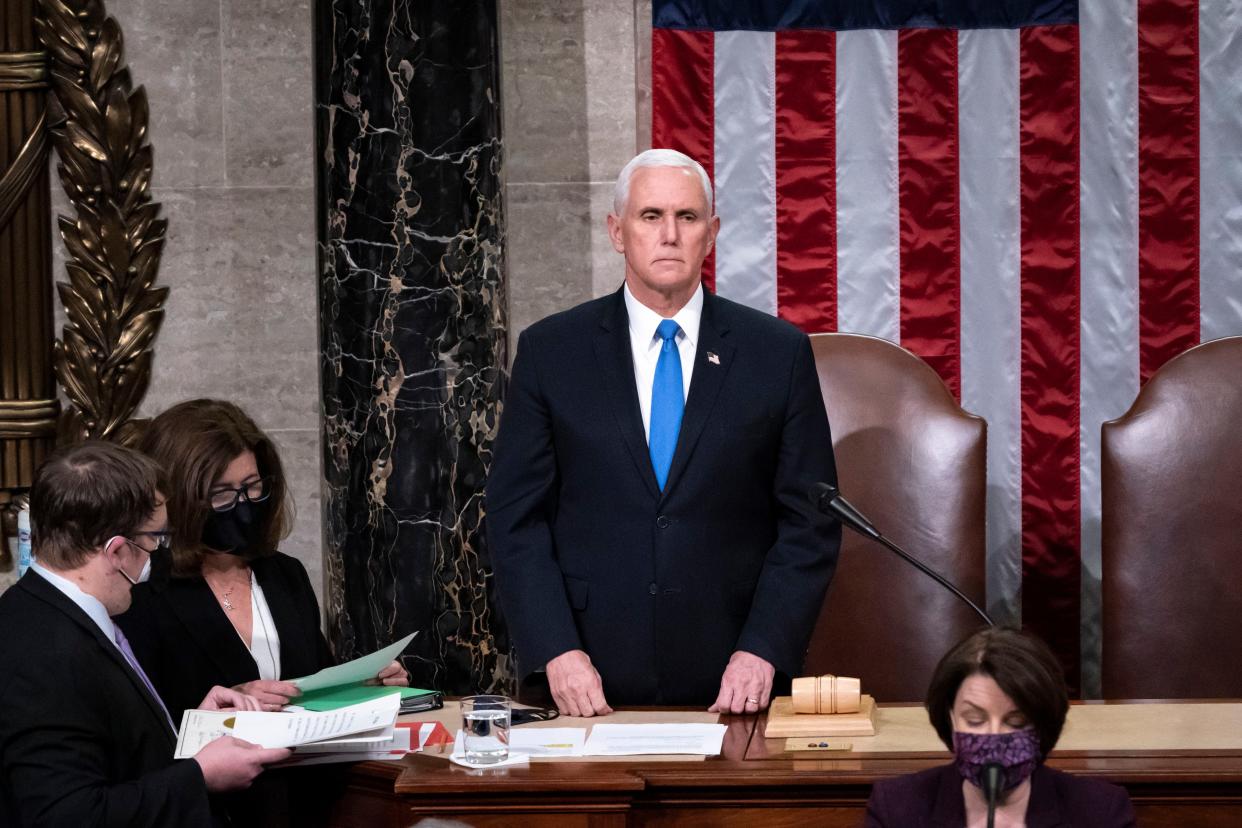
x,y
605,740
344,734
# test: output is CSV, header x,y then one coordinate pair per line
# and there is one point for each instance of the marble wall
x,y
413,323
230,89
576,108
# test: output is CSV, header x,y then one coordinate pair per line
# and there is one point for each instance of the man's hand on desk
x,y
226,698
746,686
576,686
230,764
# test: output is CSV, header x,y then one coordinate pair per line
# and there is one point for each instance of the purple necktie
x,y
122,644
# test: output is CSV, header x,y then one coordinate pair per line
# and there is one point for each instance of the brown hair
x,y
1023,667
85,494
196,440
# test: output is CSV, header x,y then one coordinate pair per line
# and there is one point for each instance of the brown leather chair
x,y
914,462
1171,481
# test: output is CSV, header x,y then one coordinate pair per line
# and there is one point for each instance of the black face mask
x,y
239,531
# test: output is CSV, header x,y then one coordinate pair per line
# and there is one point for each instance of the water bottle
x,y
24,557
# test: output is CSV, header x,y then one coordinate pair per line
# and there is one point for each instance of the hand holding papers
x,y
347,684
369,724
356,671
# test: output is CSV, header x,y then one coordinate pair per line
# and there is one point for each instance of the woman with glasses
x,y
232,610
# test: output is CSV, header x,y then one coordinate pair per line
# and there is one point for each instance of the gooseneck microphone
x,y
828,500
992,773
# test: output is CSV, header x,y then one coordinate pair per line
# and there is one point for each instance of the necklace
x,y
226,595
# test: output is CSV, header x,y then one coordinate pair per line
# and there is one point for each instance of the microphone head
x,y
821,494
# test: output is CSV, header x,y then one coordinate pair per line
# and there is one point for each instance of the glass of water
x,y
485,728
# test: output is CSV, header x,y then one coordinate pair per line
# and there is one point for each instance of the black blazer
x,y
661,587
187,644
933,799
82,742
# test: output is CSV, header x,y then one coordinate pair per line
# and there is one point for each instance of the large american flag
x,y
1043,201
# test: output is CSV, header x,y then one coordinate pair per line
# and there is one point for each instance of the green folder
x,y
413,700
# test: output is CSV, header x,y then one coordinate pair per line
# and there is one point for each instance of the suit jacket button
x,y
663,522
653,589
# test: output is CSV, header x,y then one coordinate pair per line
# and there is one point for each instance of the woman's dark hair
x,y
195,441
85,494
1023,667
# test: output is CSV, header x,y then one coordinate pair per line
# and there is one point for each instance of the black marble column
x,y
412,328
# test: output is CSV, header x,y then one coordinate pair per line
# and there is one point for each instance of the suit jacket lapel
x,y
705,384
40,588
205,622
616,363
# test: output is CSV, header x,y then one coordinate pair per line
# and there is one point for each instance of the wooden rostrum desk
x,y
1181,763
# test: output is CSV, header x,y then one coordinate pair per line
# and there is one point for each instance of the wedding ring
x,y
751,700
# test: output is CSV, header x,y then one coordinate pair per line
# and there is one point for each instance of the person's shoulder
x,y
908,800
748,321
920,786
1091,801
283,566
38,637
571,320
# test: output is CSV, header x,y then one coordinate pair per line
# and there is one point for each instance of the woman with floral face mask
x,y
998,701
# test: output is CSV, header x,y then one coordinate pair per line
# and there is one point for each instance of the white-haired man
x,y
647,508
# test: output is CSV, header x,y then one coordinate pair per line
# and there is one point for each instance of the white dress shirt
x,y
645,346
264,644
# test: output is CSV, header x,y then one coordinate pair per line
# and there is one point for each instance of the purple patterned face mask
x,y
1016,752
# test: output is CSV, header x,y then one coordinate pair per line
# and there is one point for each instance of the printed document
x,y
636,739
369,722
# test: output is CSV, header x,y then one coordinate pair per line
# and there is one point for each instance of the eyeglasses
x,y
163,541
224,500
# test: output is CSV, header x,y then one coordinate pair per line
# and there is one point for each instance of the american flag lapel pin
x,y
713,358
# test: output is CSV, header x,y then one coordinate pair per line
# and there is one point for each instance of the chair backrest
x,y
1171,481
914,462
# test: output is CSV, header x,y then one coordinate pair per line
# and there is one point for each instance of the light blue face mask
x,y
145,574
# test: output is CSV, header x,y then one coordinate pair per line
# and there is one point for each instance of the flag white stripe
x,y
868,245
1109,381
1220,168
745,166
991,225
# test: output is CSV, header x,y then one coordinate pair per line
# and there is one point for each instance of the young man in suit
x,y
84,740
647,508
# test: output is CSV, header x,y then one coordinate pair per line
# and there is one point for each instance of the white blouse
x,y
264,642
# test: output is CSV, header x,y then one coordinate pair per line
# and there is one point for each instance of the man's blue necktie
x,y
667,402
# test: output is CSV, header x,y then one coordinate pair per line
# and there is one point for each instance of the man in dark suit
x,y
647,506
84,740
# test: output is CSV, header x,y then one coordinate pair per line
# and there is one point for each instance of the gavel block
x,y
822,706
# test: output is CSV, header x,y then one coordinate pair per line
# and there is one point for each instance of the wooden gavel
x,y
826,694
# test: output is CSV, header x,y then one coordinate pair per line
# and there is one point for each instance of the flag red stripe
x,y
1050,349
683,104
929,216
1168,156
806,202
